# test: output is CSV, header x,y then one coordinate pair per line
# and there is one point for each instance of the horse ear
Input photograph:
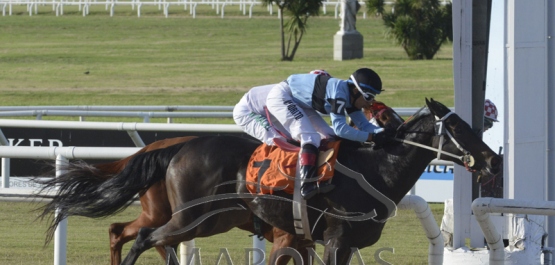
x,y
429,104
437,108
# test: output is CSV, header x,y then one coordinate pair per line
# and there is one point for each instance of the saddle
x,y
272,168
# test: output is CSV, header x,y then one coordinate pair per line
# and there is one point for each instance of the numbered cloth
x,y
271,169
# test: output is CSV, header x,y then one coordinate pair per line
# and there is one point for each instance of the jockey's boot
x,y
307,159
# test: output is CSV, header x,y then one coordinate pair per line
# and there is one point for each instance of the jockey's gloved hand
x,y
383,137
391,133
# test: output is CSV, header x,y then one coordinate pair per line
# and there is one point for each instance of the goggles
x,y
368,96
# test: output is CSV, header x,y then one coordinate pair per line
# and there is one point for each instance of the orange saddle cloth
x,y
272,169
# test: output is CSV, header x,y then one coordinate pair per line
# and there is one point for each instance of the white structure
x,y
527,107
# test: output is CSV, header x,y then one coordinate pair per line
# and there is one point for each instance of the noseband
x,y
467,159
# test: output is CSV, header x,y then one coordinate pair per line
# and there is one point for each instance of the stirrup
x,y
309,190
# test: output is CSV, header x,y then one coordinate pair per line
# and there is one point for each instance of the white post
x,y
185,251
60,235
423,212
258,244
5,172
462,73
551,113
5,163
526,86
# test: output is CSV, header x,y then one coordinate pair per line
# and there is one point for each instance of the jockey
x,y
251,114
298,101
490,114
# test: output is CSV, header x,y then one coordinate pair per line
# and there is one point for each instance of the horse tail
x,y
84,190
108,170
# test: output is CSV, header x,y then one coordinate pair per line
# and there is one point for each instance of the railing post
x,y
5,172
136,138
258,244
5,163
60,235
186,251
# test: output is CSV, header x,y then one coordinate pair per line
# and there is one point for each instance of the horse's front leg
x,y
303,247
282,239
337,250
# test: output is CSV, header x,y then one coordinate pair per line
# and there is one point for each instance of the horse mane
x,y
421,113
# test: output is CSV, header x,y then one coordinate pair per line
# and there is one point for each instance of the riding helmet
x,y
368,82
490,110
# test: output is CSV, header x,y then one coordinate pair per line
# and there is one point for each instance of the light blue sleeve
x,y
363,124
343,130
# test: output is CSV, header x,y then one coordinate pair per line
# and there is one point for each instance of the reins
x,y
439,151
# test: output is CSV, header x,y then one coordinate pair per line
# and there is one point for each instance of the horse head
x,y
455,136
383,116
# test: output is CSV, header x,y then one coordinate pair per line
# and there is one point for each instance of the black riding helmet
x,y
367,82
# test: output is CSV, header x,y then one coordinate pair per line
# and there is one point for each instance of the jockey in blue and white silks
x,y
297,102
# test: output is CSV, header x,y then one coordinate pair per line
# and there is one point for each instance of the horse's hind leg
x,y
121,233
151,237
156,212
116,232
141,245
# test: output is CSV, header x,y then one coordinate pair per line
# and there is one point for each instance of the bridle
x,y
440,130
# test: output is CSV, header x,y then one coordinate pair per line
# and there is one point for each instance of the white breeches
x,y
256,124
303,123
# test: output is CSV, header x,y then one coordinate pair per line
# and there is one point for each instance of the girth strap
x,y
300,216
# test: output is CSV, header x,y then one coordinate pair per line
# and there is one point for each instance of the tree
x,y
298,12
419,26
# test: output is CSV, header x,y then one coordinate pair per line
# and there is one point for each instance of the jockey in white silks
x,y
252,116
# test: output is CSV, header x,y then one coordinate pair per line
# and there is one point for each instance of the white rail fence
x,y
482,207
132,129
145,112
163,5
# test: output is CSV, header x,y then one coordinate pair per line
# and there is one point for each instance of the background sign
x,y
89,138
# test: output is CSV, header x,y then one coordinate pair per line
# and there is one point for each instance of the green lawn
x,y
179,60
23,238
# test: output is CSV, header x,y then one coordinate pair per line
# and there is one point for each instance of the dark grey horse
x,y
205,182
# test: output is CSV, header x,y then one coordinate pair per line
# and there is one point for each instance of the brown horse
x,y
156,211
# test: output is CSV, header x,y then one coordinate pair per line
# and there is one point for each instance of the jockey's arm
x,y
343,130
363,124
